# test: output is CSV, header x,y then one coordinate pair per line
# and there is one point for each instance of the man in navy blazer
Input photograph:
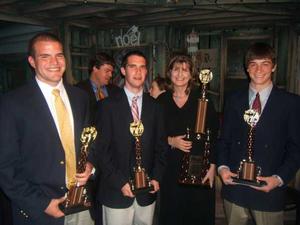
x,y
276,143
32,157
115,149
101,68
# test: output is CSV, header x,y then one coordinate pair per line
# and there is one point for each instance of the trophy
x,y
195,167
248,170
76,198
141,182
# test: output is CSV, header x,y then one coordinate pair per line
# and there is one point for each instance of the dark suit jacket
x,y
114,151
32,158
87,86
276,146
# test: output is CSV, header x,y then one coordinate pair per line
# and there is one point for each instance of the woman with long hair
x,y
185,204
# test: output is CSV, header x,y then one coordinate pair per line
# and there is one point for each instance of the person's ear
x,y
274,68
95,68
123,71
31,61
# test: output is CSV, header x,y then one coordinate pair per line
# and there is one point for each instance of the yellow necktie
x,y
66,136
100,94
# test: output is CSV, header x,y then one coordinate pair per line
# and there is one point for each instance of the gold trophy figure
x,y
195,167
141,182
77,198
248,170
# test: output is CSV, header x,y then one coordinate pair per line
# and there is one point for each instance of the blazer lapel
x,y
271,104
77,117
241,107
125,116
145,115
39,104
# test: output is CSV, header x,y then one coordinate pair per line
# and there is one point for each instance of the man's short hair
x,y
260,50
100,59
44,36
130,53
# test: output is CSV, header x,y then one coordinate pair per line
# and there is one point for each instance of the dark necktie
x,y
256,105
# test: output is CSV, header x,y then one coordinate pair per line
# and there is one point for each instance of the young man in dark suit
x,y
115,149
40,145
98,86
276,146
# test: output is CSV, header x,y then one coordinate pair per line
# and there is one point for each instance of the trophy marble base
x,y
76,200
136,191
141,182
248,182
74,208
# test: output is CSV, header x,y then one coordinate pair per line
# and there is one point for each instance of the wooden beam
x,y
44,7
8,2
21,19
81,11
235,20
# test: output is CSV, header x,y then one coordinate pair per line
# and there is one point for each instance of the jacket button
x,y
62,188
238,142
62,162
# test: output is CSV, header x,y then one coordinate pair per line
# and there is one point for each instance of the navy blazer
x,y
114,150
276,146
32,167
87,86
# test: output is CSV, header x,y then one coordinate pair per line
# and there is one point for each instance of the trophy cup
x,y
77,198
141,182
195,167
248,170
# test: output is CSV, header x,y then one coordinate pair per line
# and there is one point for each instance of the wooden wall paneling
x,y
282,43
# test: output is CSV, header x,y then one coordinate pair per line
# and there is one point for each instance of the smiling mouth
x,y
54,69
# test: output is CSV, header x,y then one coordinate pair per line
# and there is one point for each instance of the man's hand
x,y
82,178
126,191
155,185
226,176
210,175
53,209
272,182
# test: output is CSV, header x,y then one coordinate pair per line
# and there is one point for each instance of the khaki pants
x,y
134,215
237,215
81,218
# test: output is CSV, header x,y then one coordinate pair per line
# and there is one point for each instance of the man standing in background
x,y
98,87
101,68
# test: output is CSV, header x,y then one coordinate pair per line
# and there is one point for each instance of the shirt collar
x,y
130,95
48,88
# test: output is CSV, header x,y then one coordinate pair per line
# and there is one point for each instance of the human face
x,y
102,75
260,72
135,73
48,62
180,75
154,90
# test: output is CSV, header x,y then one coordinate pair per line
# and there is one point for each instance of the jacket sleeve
x,y
25,195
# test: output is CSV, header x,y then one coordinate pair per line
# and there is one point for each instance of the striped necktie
x,y
135,109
